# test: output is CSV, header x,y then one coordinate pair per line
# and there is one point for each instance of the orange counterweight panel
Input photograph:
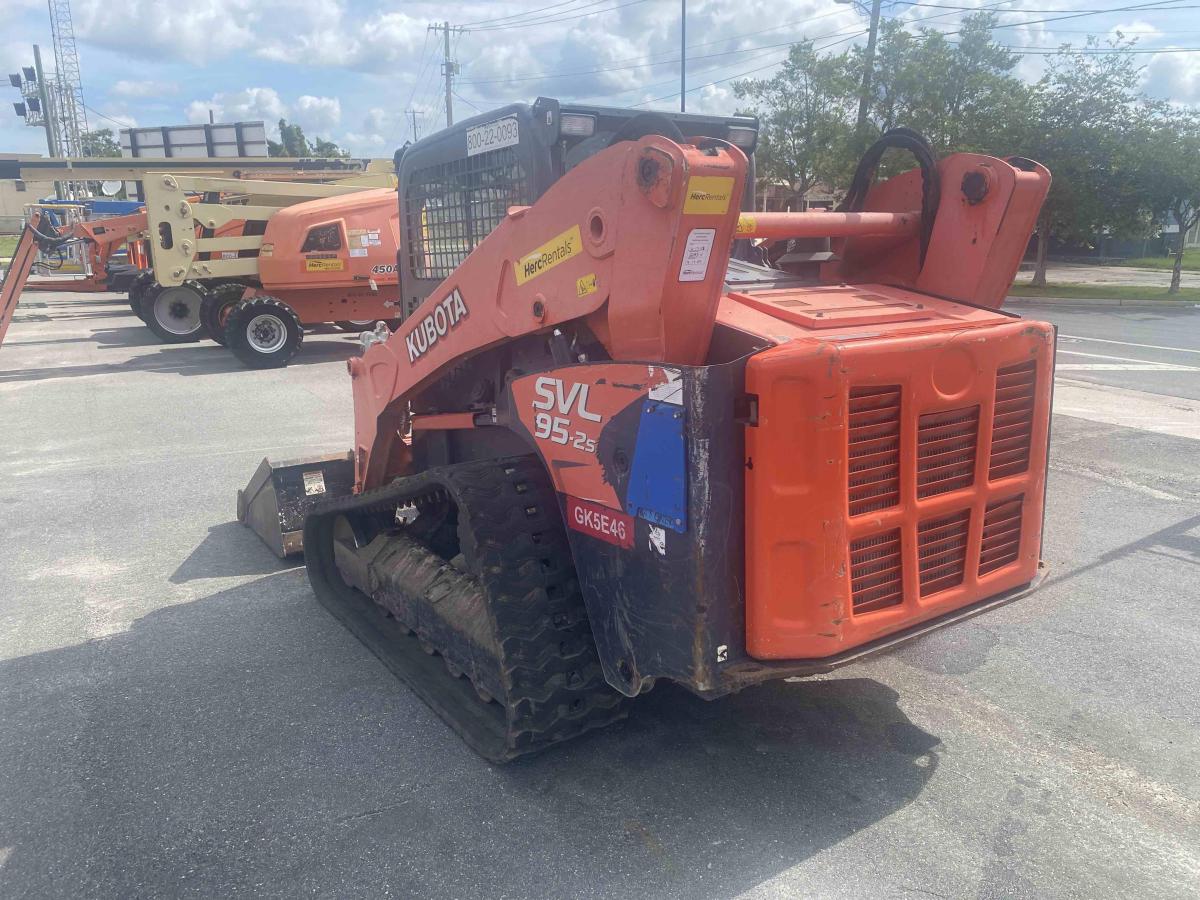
x,y
897,470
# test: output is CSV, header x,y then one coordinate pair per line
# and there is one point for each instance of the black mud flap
x,y
278,498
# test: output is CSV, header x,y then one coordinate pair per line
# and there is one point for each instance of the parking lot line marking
x,y
1122,367
1076,337
1126,359
1127,408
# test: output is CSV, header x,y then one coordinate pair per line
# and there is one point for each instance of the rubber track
x,y
554,688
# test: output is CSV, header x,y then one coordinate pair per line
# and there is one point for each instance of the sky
x,y
347,70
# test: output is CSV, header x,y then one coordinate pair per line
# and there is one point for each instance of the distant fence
x,y
11,224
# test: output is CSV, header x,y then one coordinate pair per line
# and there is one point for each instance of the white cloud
x,y
321,34
1173,76
1143,31
145,88
252,103
317,114
197,32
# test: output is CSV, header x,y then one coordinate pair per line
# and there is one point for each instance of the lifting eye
x,y
165,239
596,227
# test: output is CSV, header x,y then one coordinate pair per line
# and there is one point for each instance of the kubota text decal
x,y
434,325
550,254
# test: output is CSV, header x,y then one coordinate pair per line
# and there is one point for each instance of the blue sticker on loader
x,y
658,477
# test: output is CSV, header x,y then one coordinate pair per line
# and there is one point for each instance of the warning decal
x,y
550,254
586,285
746,224
708,195
314,483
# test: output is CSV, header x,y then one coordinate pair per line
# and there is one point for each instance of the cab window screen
x,y
449,208
323,237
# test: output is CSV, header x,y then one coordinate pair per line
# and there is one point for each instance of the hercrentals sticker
x,y
708,195
435,324
556,250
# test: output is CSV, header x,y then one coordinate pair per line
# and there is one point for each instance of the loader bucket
x,y
279,496
16,274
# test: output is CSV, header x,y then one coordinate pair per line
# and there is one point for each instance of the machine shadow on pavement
x,y
246,740
226,550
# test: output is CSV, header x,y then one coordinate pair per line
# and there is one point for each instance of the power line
x,y
517,15
110,118
535,23
762,50
745,73
1015,11
1143,7
664,59
468,102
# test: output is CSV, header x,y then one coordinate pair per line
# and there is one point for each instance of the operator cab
x,y
457,185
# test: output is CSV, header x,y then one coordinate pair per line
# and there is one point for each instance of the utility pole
x,y
449,67
864,97
44,97
683,55
412,117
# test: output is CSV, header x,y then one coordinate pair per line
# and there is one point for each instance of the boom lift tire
x,y
137,290
218,302
173,313
469,562
263,332
357,326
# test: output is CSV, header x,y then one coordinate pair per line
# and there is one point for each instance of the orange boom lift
x,y
608,448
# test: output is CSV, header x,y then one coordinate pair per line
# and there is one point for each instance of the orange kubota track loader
x,y
603,451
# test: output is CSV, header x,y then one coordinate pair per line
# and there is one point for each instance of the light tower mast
x,y
71,115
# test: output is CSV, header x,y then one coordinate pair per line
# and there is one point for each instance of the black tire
x,y
263,332
137,291
357,327
218,303
173,313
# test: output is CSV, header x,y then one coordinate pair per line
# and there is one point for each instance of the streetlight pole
x,y
864,97
683,55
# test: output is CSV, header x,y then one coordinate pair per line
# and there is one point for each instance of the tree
x,y
328,149
292,142
100,143
961,96
1088,113
1170,173
806,119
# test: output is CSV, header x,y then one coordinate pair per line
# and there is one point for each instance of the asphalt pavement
x,y
178,717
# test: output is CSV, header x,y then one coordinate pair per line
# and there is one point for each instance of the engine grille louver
x,y
876,572
874,451
942,552
946,443
1012,421
1001,534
